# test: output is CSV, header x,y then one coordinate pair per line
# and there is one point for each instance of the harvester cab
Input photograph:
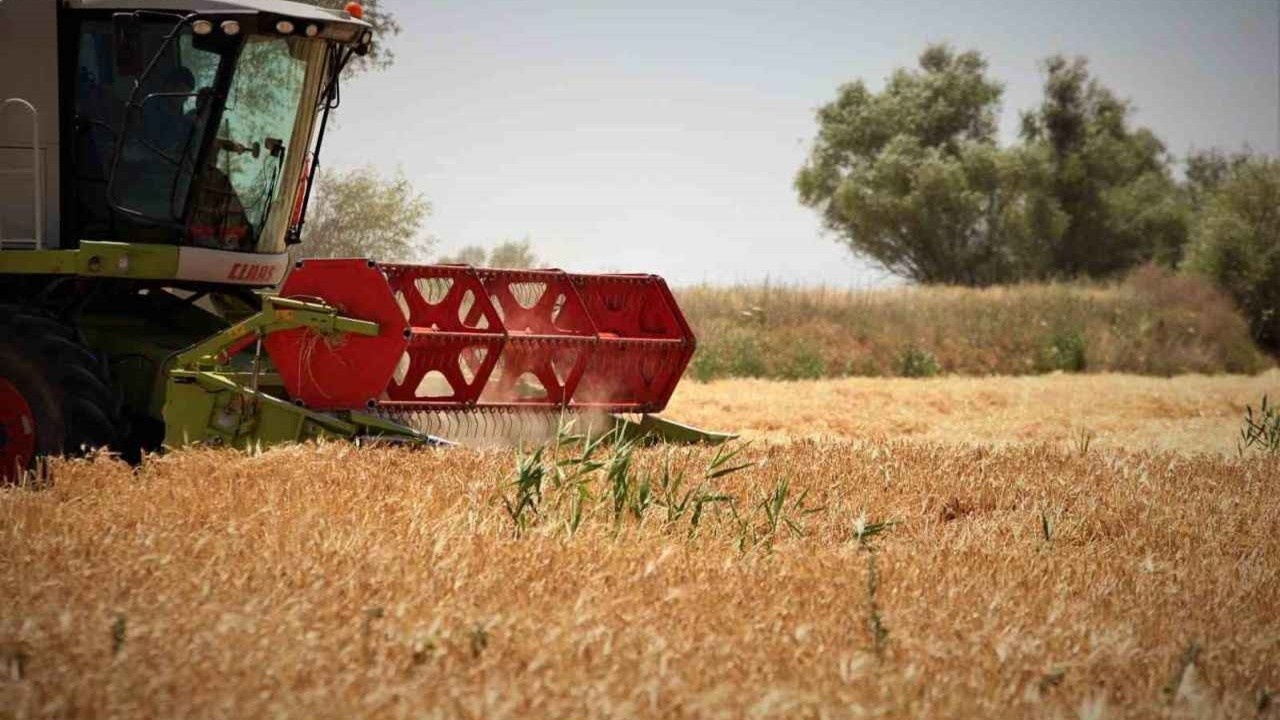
x,y
156,164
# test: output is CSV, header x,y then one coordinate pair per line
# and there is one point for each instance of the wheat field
x,y
1195,413
947,573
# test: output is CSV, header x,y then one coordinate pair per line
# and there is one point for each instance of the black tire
x,y
64,385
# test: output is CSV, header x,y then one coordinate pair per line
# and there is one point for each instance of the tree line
x,y
914,178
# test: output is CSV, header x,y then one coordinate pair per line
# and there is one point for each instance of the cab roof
x,y
295,10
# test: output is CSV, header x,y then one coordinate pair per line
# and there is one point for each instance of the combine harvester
x,y
156,161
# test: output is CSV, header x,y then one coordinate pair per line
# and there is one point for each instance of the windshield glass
x,y
207,150
244,194
158,137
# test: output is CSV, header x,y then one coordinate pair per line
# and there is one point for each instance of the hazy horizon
x,y
664,138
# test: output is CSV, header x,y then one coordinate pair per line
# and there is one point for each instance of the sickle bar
x,y
459,337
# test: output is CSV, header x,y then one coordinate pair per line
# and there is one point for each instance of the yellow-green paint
x,y
277,314
38,262
206,407
206,401
137,261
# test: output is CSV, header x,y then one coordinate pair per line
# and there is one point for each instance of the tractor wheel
x,y
55,397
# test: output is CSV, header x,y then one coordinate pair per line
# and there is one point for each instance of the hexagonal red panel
x,y
455,336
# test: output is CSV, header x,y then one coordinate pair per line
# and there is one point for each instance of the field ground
x,y
1020,578
1186,413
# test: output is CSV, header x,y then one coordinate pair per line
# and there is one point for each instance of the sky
x,y
664,136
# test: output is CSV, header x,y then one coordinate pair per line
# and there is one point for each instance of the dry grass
x,y
1152,323
1189,413
1027,579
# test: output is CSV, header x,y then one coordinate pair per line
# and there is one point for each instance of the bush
x,y
728,352
916,362
1154,322
1065,352
805,363
1236,243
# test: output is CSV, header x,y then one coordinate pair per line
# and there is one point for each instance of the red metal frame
x,y
17,432
455,336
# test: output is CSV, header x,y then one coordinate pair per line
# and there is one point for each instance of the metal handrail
x,y
37,179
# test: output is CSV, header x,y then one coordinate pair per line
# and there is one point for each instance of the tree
x,y
1236,242
359,213
1112,181
912,176
515,254
1206,170
385,27
469,255
510,254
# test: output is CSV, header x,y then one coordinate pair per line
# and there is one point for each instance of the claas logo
x,y
250,272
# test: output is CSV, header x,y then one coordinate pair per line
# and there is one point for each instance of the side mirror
x,y
126,45
365,46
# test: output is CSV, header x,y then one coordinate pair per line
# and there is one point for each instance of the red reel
x,y
454,336
346,371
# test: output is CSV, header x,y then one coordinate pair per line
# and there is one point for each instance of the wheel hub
x,y
17,432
